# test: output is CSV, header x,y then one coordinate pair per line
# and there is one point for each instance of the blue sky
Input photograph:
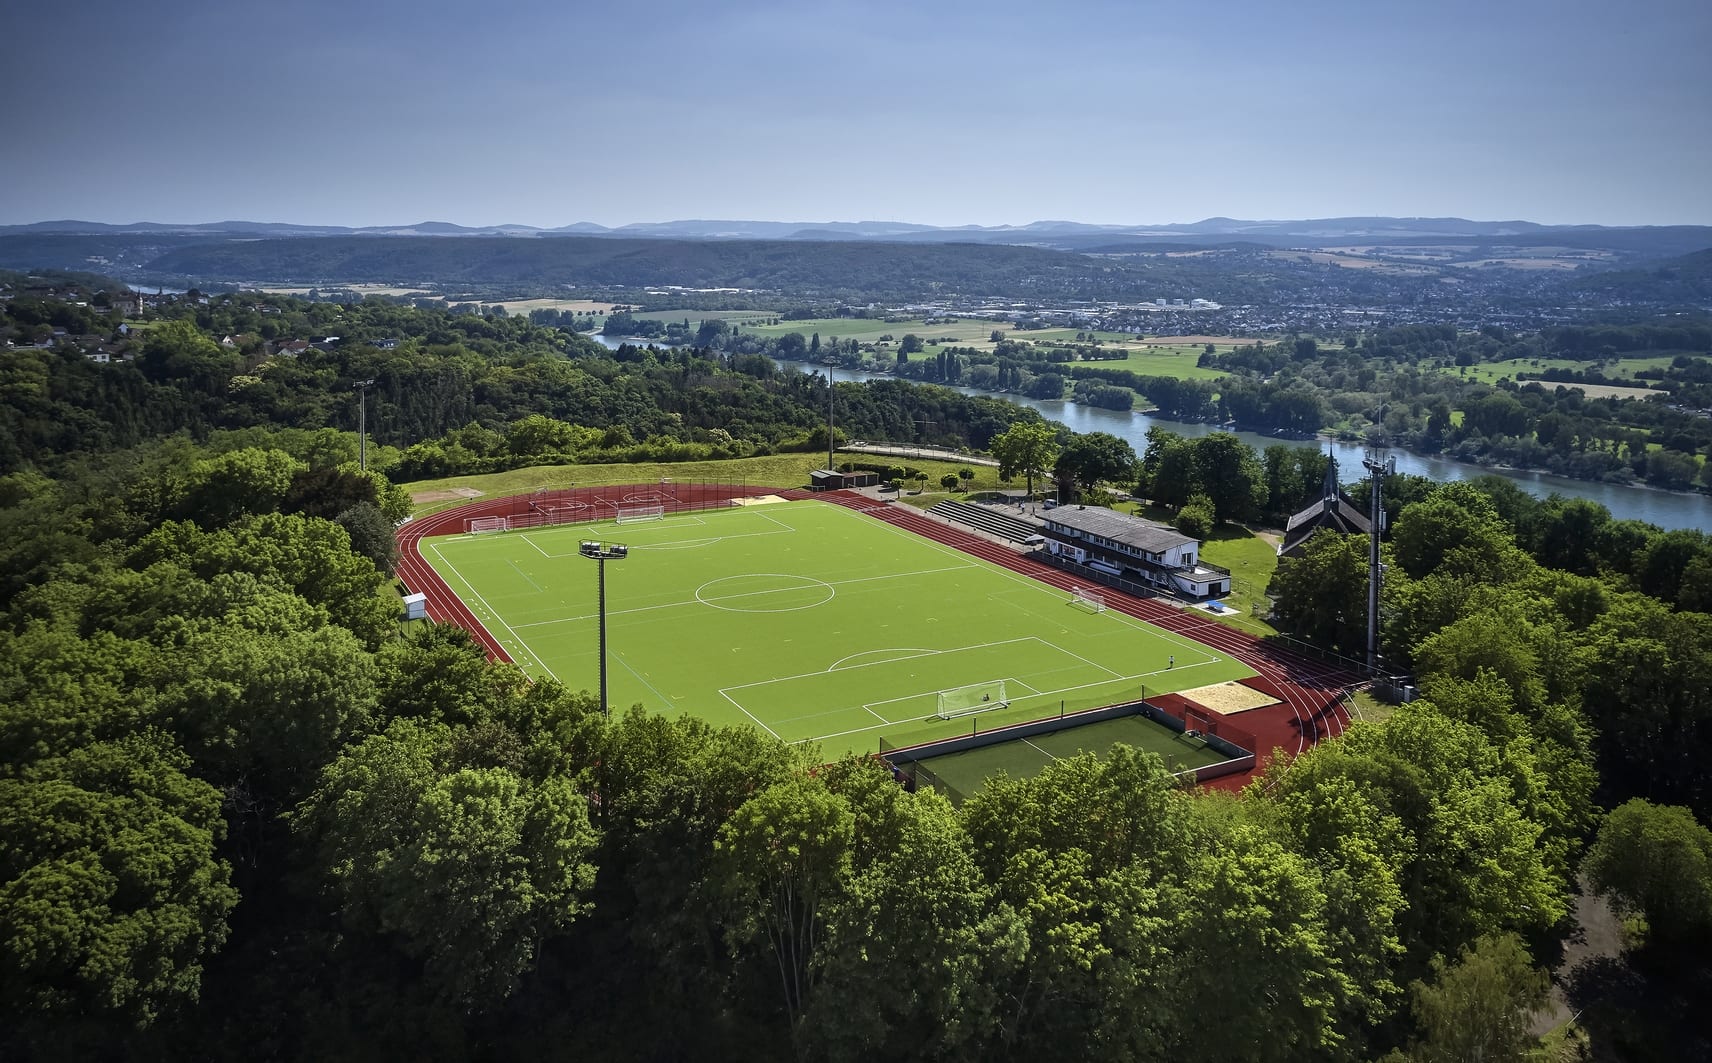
x,y
384,112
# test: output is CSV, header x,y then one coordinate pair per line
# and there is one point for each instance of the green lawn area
x,y
964,773
1251,560
810,621
1369,709
1491,372
1178,362
778,470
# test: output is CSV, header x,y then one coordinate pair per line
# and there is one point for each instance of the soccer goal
x,y
633,514
1087,600
476,525
977,697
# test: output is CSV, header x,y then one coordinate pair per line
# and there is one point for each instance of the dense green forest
x,y
777,273
452,392
243,813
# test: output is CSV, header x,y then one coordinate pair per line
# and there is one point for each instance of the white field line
x,y
876,664
1013,576
664,700
1046,694
1037,749
869,705
524,574
1084,660
745,594
907,653
494,613
758,723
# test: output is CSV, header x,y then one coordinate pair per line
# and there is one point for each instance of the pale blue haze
x,y
364,113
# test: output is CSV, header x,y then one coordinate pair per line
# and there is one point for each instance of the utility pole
x,y
830,446
362,388
1377,470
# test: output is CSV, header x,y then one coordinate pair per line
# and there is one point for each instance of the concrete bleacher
x,y
986,519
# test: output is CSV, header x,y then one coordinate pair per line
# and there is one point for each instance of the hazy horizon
x,y
811,222
942,113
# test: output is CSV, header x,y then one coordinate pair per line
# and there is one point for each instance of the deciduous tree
x,y
1479,1007
112,894
1657,860
1028,447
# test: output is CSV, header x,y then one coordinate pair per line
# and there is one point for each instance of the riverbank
x,y
1664,508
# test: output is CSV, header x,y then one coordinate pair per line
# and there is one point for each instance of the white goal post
x,y
632,514
977,697
1089,600
477,525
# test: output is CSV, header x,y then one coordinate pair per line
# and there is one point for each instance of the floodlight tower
x,y
1377,468
601,553
829,444
362,389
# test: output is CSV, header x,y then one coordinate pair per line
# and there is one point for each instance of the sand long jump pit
x,y
1228,698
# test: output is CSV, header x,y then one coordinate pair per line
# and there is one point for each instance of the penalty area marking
x,y
904,653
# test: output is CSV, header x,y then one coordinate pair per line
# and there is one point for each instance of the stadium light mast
x,y
601,553
1378,467
829,439
362,388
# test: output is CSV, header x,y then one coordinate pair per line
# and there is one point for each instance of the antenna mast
x,y
1378,466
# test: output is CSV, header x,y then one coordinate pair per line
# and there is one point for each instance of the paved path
x,y
910,450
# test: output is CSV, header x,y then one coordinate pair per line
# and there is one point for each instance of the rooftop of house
x,y
1118,527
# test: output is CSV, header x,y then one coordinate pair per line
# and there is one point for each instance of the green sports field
x,y
962,774
810,621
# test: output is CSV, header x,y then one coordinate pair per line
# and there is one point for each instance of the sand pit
x,y
759,500
1226,698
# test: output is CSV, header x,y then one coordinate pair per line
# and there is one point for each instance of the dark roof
x,y
1118,527
1345,515
1339,514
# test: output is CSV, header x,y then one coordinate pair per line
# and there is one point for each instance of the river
x,y
1667,509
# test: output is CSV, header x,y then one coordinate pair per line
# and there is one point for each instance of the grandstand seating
x,y
987,519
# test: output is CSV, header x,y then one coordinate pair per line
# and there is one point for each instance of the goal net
x,y
1087,600
977,697
632,514
476,525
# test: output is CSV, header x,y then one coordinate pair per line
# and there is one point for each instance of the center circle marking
x,y
709,593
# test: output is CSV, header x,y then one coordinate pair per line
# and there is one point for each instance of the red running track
x,y
1310,692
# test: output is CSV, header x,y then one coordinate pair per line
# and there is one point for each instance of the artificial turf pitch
x,y
809,621
1024,758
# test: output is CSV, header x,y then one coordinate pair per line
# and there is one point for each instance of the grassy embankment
x,y
779,470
